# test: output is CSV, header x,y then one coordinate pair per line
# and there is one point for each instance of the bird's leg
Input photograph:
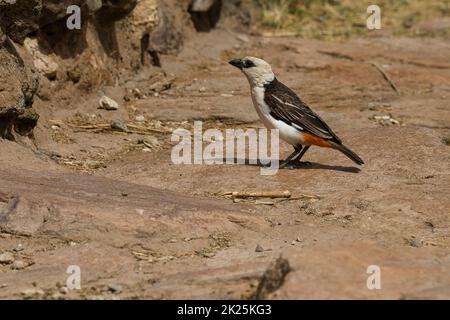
x,y
303,151
297,151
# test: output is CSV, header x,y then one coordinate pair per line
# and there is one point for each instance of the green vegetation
x,y
346,18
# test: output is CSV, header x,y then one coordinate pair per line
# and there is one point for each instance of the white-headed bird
x,y
280,108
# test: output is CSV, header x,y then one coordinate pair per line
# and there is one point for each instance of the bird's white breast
x,y
287,132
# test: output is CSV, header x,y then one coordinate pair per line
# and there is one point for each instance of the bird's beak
x,y
237,63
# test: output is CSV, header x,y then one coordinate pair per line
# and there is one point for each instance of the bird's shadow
x,y
303,165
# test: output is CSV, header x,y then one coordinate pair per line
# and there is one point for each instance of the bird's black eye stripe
x,y
249,64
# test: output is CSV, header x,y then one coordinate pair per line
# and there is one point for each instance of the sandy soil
x,y
141,227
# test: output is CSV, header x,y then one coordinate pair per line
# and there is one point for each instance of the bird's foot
x,y
288,165
303,163
294,164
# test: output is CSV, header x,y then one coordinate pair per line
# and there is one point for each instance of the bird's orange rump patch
x,y
310,139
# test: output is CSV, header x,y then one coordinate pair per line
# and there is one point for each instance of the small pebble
x,y
64,290
18,265
32,293
140,118
119,125
57,296
115,288
259,248
6,258
107,103
243,38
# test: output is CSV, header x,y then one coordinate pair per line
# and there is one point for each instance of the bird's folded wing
x,y
287,107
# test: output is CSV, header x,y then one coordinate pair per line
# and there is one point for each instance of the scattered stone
x,y
6,258
146,150
107,104
259,248
140,118
136,93
57,296
32,293
243,38
64,290
3,285
18,248
202,89
119,125
72,244
115,288
384,120
54,127
173,241
18,265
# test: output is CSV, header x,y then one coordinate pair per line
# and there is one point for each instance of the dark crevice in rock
x,y
26,122
63,42
205,14
108,38
114,10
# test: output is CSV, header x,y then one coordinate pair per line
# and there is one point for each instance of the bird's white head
x,y
257,71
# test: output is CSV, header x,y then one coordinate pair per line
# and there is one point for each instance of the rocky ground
x,y
109,199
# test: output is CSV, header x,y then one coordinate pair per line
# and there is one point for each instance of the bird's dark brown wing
x,y
286,106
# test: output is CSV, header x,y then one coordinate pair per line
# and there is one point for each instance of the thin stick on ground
x,y
107,127
386,77
259,194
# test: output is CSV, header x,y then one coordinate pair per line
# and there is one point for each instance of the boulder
x,y
18,85
44,63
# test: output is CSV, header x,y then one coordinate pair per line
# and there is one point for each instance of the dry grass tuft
x,y
347,18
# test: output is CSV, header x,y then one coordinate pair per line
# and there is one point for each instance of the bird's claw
x,y
288,165
294,164
304,163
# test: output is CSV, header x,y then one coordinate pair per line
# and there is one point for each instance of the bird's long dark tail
x,y
349,153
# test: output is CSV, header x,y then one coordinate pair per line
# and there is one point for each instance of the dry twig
x,y
386,77
259,194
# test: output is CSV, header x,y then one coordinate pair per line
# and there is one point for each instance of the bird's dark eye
x,y
249,64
